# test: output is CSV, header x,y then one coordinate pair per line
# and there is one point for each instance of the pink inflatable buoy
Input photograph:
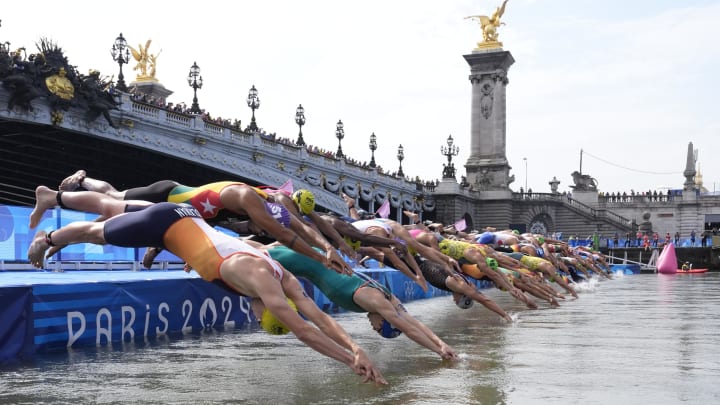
x,y
667,261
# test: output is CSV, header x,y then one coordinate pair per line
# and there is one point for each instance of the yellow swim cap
x,y
305,200
354,244
272,325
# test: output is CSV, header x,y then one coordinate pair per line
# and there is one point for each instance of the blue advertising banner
x,y
105,312
15,321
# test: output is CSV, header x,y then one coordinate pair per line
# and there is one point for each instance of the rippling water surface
x,y
643,339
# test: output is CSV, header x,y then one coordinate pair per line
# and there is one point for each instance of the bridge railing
x,y
574,204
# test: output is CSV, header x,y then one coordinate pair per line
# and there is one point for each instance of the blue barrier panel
x,y
15,322
104,312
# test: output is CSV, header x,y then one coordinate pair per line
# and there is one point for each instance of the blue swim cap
x,y
485,238
464,302
388,331
279,212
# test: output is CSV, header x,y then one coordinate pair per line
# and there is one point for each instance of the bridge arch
x,y
539,220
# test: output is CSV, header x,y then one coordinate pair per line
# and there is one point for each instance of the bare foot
x,y
44,200
36,251
72,182
412,216
150,255
53,250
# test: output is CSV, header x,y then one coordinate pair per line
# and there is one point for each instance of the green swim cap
x,y
492,263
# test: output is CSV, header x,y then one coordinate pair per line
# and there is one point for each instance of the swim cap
x,y
279,212
516,232
444,246
540,240
305,200
492,263
388,331
272,325
354,244
485,238
464,302
364,214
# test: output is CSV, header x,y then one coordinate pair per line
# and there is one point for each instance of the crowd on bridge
x,y
282,237
645,240
632,196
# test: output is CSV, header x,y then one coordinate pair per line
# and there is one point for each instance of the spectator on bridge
x,y
692,238
667,238
616,240
627,239
677,238
655,240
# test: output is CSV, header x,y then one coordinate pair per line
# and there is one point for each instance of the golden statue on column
x,y
146,62
489,26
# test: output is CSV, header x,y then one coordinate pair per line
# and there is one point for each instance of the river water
x,y
640,339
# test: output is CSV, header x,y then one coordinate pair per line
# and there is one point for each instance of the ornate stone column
x,y
487,167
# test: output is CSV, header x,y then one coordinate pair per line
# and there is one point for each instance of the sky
x,y
619,87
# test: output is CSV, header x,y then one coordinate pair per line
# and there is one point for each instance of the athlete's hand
x,y
363,366
447,352
335,262
347,250
420,280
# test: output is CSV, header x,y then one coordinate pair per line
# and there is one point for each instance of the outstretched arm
x,y
392,310
333,259
330,327
327,229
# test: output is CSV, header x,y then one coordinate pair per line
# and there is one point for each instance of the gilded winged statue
x,y
489,25
146,62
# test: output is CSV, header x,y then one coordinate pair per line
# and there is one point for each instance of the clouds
x,y
630,83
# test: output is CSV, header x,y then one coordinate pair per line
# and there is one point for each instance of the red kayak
x,y
681,271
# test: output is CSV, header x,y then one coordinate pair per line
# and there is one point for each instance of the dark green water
x,y
644,339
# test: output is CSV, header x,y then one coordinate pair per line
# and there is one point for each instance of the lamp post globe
x,y
449,151
253,101
300,120
121,55
373,148
196,82
401,156
339,134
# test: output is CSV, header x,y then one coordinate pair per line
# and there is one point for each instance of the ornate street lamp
x,y
300,120
339,134
121,55
195,81
253,101
450,150
373,148
401,156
